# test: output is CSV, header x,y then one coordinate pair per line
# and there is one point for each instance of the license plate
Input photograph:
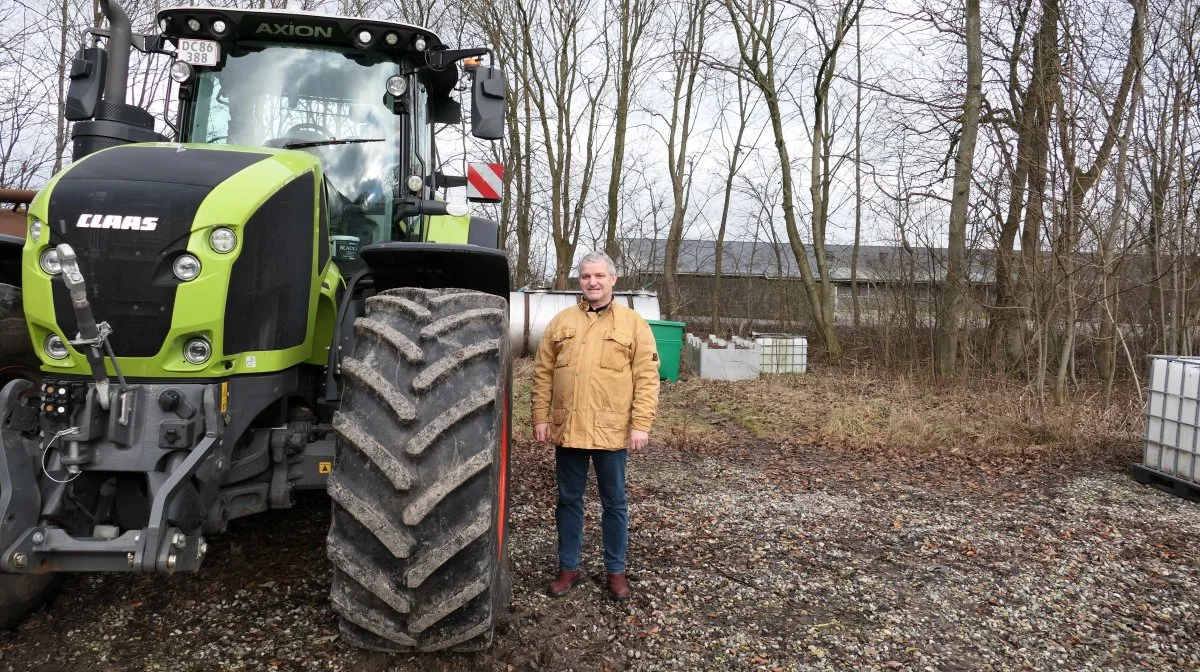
x,y
199,52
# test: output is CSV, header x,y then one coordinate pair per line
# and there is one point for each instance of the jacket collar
x,y
585,307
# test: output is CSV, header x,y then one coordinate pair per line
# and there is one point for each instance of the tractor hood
x,y
131,212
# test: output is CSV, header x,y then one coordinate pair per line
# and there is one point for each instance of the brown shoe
x,y
565,581
618,587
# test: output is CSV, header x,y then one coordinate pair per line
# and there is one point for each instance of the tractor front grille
x,y
271,282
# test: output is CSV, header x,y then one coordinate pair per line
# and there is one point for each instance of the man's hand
x,y
638,439
541,431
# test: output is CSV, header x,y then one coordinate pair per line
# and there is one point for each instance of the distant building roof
x,y
876,263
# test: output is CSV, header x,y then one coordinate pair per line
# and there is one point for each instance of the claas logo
x,y
124,222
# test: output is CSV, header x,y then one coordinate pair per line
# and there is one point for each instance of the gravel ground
x,y
750,557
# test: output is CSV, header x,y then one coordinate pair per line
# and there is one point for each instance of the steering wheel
x,y
316,129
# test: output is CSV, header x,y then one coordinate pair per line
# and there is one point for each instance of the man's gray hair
x,y
592,257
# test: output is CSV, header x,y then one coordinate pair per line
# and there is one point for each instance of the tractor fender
x,y
437,266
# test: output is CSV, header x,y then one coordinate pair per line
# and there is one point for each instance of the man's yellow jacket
x,y
595,377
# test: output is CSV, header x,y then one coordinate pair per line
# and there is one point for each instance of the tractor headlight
x,y
197,350
35,229
219,27
364,37
222,240
396,85
55,347
50,263
186,267
181,71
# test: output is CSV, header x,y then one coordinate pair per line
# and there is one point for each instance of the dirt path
x,y
752,557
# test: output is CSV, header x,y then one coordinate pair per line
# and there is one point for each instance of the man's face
x,y
596,282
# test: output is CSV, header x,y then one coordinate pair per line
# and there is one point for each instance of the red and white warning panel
x,y
485,182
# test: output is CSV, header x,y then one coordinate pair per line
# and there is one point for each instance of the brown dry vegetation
x,y
875,411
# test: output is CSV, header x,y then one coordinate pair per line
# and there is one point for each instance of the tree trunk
x,y
731,173
60,122
858,200
634,17
754,27
956,271
687,68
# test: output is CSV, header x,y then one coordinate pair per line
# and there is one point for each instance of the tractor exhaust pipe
x,y
103,121
120,41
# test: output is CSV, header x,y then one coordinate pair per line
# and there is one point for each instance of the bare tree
x,y
561,41
1079,180
516,210
689,45
956,280
757,25
736,158
633,18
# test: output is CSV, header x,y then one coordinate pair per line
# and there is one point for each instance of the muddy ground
x,y
754,552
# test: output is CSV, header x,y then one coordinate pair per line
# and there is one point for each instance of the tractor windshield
x,y
314,100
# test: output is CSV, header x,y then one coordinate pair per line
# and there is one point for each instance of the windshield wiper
x,y
324,143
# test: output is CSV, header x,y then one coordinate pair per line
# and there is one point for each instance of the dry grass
x,y
880,411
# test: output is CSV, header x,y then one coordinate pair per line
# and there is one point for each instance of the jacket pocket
x,y
564,347
617,353
612,430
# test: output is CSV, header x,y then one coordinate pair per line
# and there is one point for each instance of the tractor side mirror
x,y
487,104
87,83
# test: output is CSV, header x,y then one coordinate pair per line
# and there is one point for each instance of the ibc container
x,y
782,353
1172,439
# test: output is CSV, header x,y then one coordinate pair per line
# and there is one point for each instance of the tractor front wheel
x,y
418,486
21,594
17,358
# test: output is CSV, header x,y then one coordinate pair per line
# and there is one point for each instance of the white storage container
x,y
717,359
1172,439
530,311
782,353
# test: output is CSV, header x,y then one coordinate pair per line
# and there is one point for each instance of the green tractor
x,y
278,300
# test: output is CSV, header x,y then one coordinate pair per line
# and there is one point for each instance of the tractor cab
x,y
359,94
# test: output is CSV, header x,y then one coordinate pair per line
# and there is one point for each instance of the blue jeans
x,y
572,467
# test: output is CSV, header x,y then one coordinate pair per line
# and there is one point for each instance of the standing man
x,y
595,393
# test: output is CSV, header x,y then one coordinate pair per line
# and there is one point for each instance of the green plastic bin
x,y
668,336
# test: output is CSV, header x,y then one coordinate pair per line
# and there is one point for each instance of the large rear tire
x,y
418,487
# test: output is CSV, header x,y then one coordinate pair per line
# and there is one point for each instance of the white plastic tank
x,y
1172,439
783,353
531,310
